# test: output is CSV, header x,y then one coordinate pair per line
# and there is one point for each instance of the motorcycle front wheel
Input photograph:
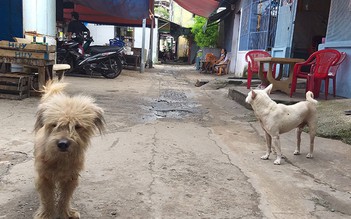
x,y
111,68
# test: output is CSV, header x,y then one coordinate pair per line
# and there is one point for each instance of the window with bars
x,y
258,24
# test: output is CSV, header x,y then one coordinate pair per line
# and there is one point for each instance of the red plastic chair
x,y
319,63
332,72
253,65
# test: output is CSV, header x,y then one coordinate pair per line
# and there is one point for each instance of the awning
x,y
218,17
202,8
130,9
229,6
173,29
113,12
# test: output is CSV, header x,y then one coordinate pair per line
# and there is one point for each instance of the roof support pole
x,y
142,62
151,42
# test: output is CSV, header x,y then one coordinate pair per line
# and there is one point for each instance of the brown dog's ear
x,y
39,123
99,120
253,94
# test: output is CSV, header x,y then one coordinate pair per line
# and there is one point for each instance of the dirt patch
x,y
9,159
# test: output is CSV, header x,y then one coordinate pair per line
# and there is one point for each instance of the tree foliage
x,y
162,12
207,38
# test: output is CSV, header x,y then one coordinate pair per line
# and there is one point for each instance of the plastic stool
x,y
60,69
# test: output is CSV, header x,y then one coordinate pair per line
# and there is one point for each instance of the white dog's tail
x,y
309,97
51,88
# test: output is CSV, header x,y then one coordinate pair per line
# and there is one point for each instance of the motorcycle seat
x,y
102,49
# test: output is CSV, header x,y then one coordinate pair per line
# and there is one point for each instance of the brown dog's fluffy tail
x,y
51,88
309,97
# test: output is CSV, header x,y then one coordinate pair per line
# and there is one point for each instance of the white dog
x,y
276,119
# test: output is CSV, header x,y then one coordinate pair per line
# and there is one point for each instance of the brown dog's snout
x,y
63,144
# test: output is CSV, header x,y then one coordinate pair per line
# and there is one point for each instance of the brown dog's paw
x,y
42,215
69,214
74,214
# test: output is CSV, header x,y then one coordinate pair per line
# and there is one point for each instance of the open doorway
x,y
310,29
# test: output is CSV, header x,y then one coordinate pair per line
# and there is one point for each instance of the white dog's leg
x,y
298,140
269,146
312,131
312,135
276,144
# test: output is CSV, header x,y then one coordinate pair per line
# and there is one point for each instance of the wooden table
x,y
278,84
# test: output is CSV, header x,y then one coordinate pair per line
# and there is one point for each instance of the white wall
x,y
101,33
138,37
235,46
40,16
240,63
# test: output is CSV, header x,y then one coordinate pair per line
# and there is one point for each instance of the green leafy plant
x,y
162,12
204,37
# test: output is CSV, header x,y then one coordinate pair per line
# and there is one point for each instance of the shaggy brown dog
x,y
63,129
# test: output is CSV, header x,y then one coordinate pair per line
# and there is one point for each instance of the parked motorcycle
x,y
91,60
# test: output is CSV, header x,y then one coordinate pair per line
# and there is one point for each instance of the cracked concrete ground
x,y
173,150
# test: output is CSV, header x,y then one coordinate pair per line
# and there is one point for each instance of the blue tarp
x,y
127,9
11,19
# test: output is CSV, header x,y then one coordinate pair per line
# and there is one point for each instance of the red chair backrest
x,y
334,68
250,58
322,61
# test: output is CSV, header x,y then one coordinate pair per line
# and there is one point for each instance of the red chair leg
x,y
326,89
315,86
249,76
334,86
293,86
310,86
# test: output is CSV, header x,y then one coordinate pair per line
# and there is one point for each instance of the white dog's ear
x,y
253,94
268,88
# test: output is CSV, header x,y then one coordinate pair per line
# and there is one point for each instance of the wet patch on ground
x,y
175,104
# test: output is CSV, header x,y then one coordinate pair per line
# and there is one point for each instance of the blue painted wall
x,y
11,23
339,37
343,76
